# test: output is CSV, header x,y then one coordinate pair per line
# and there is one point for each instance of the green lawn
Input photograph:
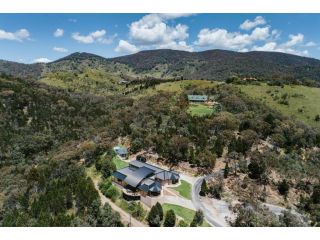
x,y
197,109
184,189
185,213
119,163
299,97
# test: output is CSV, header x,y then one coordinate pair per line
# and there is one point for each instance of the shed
x,y
197,98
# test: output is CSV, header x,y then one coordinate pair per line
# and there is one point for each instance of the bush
x,y
154,218
197,219
256,168
283,187
182,224
170,219
113,193
136,210
105,185
204,188
160,210
226,171
107,166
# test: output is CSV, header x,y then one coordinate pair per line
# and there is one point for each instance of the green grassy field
x,y
197,109
185,213
184,189
119,163
299,97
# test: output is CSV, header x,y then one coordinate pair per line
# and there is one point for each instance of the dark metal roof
x,y
119,175
137,176
197,97
150,185
156,187
174,176
140,164
120,150
168,175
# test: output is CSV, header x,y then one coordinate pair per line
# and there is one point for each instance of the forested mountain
x,y
211,65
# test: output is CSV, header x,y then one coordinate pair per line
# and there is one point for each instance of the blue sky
x,y
45,37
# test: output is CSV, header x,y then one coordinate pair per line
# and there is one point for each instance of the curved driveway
x,y
199,205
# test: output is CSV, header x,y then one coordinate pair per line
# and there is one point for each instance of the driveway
x,y
213,217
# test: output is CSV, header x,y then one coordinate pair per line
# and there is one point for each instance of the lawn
x,y
197,109
119,163
185,213
184,189
299,97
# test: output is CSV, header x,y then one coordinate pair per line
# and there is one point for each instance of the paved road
x,y
199,205
125,217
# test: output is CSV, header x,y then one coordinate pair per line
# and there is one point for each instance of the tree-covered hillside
x,y
209,65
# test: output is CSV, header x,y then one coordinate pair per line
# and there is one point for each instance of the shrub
x,y
283,187
170,219
136,210
105,185
113,193
204,188
182,224
154,218
197,219
107,166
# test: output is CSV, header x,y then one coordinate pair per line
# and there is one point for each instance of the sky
x,y
30,38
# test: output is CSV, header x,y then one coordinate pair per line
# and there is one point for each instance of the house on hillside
x,y
122,152
197,98
143,179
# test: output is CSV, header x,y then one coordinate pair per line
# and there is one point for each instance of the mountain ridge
x,y
213,64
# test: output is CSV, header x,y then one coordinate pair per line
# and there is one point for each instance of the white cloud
x,y
59,32
174,15
41,60
311,44
60,49
247,24
270,46
286,47
20,35
125,47
73,20
181,45
96,36
260,33
294,40
221,38
153,31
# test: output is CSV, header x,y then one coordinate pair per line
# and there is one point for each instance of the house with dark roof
x,y
197,98
122,152
144,178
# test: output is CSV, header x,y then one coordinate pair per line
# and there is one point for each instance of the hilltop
x,y
165,64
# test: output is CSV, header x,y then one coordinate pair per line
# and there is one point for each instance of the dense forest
x,y
43,183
